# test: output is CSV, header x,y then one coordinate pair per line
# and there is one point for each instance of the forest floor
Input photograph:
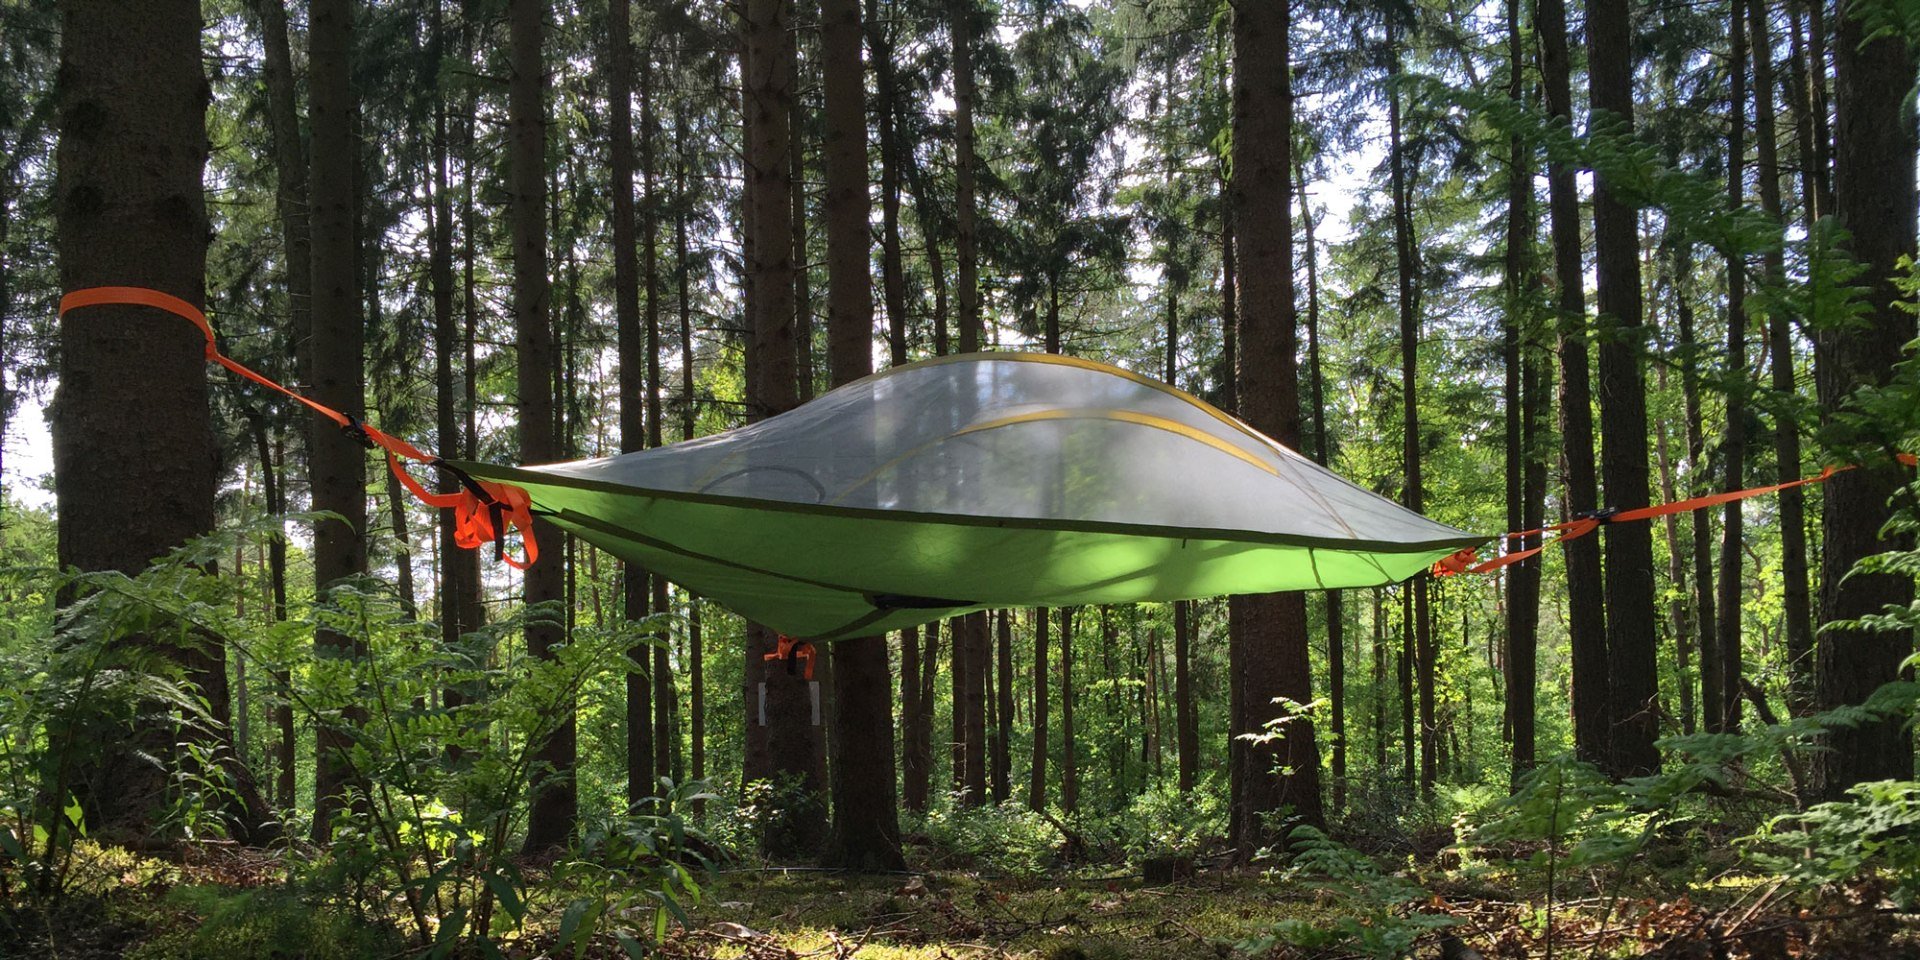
x,y
239,907
951,916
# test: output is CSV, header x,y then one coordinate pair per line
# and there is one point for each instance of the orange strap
x,y
788,649
482,511
1465,560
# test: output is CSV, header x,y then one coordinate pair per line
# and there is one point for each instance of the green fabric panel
x,y
811,573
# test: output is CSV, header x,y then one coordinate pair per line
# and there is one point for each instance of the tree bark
x,y
788,745
1408,301
1874,199
1796,599
1525,407
866,820
1283,772
1631,620
627,336
1705,632
1586,621
1322,454
1069,755
961,14
555,805
1003,699
337,465
1042,687
1733,449
129,211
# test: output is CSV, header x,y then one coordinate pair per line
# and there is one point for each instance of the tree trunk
x,y
866,820
973,629
1003,698
1042,687
550,820
1283,772
1733,449
1705,632
892,263
913,766
1586,620
459,592
1795,595
961,14
1322,454
290,168
337,464
1874,198
626,321
1408,301
129,210
1069,756
1524,408
1185,723
689,412
665,735
787,746
1631,621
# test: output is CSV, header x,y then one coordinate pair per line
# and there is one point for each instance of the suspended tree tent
x,y
976,481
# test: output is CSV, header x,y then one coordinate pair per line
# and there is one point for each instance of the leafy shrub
x,y
1007,837
1875,832
1163,822
1377,914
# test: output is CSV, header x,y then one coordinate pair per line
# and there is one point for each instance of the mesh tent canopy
x,y
982,480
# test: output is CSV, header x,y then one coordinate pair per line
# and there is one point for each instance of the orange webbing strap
x,y
482,511
1463,561
788,649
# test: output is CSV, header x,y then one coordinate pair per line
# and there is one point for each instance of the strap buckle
x,y
357,431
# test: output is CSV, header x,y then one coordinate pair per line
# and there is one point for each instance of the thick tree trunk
x,y
1631,618
1874,198
1282,772
129,211
337,465
1733,448
550,821
1586,620
787,744
866,820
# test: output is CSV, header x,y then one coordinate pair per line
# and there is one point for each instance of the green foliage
x,y
1166,822
272,923
1379,914
1009,838
1874,832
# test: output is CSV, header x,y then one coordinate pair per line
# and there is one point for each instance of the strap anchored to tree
x,y
792,651
483,511
1465,560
